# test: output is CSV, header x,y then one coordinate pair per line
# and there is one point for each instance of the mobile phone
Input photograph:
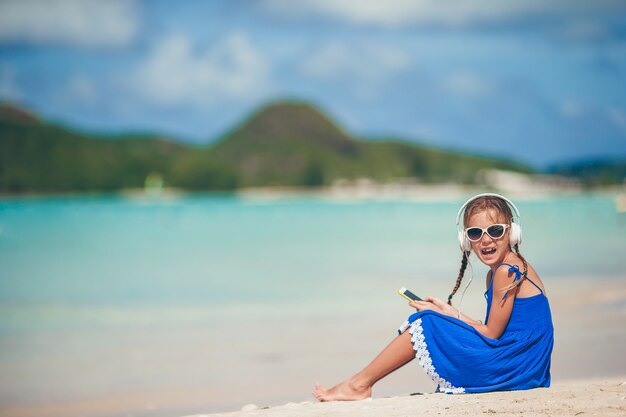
x,y
408,295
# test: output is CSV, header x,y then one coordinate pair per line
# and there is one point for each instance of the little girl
x,y
510,351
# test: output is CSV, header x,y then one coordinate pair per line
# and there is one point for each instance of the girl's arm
x,y
499,313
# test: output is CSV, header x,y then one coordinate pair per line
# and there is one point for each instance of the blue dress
x,y
460,359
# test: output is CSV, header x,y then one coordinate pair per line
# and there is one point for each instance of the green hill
x,y
294,144
40,157
284,143
10,113
593,172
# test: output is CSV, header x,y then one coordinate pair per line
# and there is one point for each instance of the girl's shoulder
x,y
512,269
526,288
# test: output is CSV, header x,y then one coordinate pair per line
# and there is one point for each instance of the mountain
x,y
284,143
39,157
295,144
14,114
593,172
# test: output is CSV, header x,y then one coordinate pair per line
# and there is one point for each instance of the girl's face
x,y
490,251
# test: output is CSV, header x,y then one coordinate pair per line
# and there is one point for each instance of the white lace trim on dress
x,y
423,356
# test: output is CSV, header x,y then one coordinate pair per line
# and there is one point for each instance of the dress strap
x,y
518,277
538,287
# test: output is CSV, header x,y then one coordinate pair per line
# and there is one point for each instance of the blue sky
x,y
541,82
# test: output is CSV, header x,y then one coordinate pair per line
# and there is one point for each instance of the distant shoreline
x,y
364,190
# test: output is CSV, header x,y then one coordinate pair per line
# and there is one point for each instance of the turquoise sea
x,y
108,303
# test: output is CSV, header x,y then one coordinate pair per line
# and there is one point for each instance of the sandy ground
x,y
579,398
286,360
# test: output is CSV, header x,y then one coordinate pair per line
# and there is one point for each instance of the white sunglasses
x,y
495,231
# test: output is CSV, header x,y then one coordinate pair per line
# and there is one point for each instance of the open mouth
x,y
488,251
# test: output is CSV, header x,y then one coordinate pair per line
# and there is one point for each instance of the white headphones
x,y
515,234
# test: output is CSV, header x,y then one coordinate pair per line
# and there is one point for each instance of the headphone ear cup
x,y
464,242
515,235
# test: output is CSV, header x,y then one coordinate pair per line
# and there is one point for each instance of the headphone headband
x,y
510,203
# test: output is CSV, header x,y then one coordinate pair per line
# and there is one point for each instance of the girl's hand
x,y
435,304
424,305
443,307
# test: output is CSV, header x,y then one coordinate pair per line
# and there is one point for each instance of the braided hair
x,y
460,277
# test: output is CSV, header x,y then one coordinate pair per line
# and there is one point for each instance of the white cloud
x,y
398,13
111,23
617,116
584,29
8,86
363,66
608,116
176,73
573,109
464,83
369,62
82,89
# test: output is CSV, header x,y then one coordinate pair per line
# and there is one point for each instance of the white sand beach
x,y
604,398
588,369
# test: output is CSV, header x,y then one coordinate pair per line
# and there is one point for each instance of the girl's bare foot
x,y
346,391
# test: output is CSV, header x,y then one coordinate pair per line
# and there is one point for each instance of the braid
x,y
460,277
516,249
